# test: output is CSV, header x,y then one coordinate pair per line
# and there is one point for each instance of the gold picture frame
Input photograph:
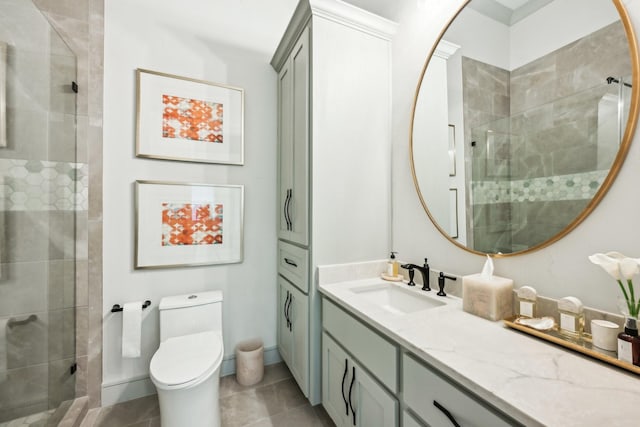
x,y
189,120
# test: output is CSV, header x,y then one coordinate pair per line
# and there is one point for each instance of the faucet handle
x,y
410,267
411,274
441,278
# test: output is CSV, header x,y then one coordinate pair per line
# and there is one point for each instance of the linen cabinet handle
x,y
286,315
291,263
446,413
353,380
344,377
286,209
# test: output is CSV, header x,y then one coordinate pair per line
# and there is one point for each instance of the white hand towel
x,y
131,329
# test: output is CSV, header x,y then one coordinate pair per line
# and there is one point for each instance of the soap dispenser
x,y
392,265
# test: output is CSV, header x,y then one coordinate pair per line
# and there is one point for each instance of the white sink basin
x,y
395,299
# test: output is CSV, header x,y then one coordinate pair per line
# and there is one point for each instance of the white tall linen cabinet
x,y
334,142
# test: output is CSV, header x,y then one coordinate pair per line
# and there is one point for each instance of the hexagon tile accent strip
x,y
40,185
579,186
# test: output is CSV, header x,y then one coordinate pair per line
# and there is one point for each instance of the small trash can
x,y
250,361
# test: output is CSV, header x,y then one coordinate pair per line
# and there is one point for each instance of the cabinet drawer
x,y
376,353
423,387
293,265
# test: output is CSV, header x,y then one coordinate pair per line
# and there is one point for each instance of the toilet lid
x,y
180,360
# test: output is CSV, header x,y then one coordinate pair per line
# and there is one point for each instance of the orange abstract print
x,y
192,119
191,224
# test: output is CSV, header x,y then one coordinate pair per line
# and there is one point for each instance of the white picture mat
x,y
151,143
149,250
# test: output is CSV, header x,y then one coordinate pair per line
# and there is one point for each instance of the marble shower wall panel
x,y
485,99
574,68
540,221
554,104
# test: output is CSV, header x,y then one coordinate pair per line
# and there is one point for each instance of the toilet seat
x,y
185,361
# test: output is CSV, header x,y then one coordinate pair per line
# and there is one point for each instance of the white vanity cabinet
x,y
334,144
386,374
350,395
293,331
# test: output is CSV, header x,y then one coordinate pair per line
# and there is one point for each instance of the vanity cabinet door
x,y
335,381
293,146
409,421
373,406
350,395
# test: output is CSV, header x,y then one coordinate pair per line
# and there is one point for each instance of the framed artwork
x,y
179,224
191,120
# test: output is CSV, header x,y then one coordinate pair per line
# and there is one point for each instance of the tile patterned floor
x,y
274,402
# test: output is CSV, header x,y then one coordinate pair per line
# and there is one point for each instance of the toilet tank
x,y
190,314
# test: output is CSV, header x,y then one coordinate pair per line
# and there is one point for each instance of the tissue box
x,y
488,297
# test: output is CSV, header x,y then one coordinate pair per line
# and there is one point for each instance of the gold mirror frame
x,y
615,167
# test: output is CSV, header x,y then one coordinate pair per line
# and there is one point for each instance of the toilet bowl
x,y
186,372
186,367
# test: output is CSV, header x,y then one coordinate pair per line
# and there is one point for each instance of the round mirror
x,y
522,118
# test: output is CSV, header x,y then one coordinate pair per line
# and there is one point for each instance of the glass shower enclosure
x,y
38,204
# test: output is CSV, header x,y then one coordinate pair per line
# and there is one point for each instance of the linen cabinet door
x,y
299,317
284,334
285,149
299,200
335,381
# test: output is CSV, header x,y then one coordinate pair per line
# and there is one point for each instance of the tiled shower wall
x,y
540,158
80,24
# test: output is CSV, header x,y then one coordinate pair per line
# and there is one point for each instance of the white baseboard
x,y
134,388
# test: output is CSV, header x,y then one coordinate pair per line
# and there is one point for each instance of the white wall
x,y
216,40
556,271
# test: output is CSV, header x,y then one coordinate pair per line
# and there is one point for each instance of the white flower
x,y
619,266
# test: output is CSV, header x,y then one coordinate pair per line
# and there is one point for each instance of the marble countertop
x,y
535,382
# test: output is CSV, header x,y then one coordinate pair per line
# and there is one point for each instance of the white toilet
x,y
186,367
